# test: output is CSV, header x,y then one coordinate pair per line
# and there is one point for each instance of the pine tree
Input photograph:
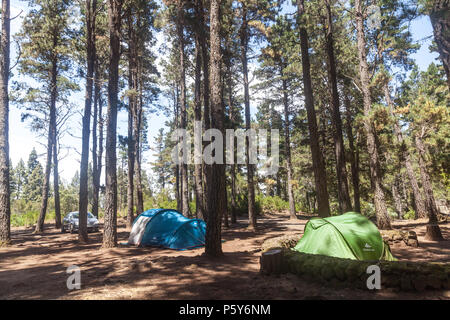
x,y
20,177
90,10
425,101
45,41
198,162
5,206
139,24
216,196
276,68
316,154
439,12
251,13
110,226
100,75
33,189
339,149
383,220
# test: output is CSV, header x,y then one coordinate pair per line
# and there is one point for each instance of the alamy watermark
x,y
74,280
222,149
374,280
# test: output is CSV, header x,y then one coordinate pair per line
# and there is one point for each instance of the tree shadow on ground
x,y
37,270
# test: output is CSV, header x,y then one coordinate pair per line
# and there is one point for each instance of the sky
x,y
22,140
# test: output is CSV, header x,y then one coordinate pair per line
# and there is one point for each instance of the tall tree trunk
x,y
433,231
51,132
206,90
317,158
397,197
183,112
354,156
131,143
278,184
403,191
199,201
233,165
91,7
288,148
250,169
100,146
383,220
308,202
177,166
440,20
110,223
56,183
95,160
138,154
405,157
225,220
5,206
345,204
130,172
206,116
177,187
216,196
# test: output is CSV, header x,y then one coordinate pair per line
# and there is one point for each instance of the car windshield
x,y
76,215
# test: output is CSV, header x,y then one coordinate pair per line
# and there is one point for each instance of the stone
x,y
405,283
287,242
420,283
339,271
446,284
145,266
412,235
352,272
132,265
397,275
386,235
390,281
327,272
412,243
397,237
433,282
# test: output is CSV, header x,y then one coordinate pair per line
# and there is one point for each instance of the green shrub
x,y
271,204
367,209
161,200
392,213
29,218
24,219
410,215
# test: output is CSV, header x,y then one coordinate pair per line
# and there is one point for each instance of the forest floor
x,y
35,267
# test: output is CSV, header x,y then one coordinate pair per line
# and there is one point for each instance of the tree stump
x,y
272,261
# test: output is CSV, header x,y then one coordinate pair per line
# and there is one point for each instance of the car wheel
x,y
63,230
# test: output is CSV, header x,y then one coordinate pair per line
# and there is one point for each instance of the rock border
x,y
408,237
278,258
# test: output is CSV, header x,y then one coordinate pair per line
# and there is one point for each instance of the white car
x,y
71,222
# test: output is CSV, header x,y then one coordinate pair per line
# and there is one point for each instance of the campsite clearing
x,y
35,267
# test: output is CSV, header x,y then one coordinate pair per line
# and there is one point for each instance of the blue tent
x,y
167,228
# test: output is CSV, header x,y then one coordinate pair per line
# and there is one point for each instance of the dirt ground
x,y
35,267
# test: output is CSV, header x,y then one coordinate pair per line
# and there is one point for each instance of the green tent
x,y
350,236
